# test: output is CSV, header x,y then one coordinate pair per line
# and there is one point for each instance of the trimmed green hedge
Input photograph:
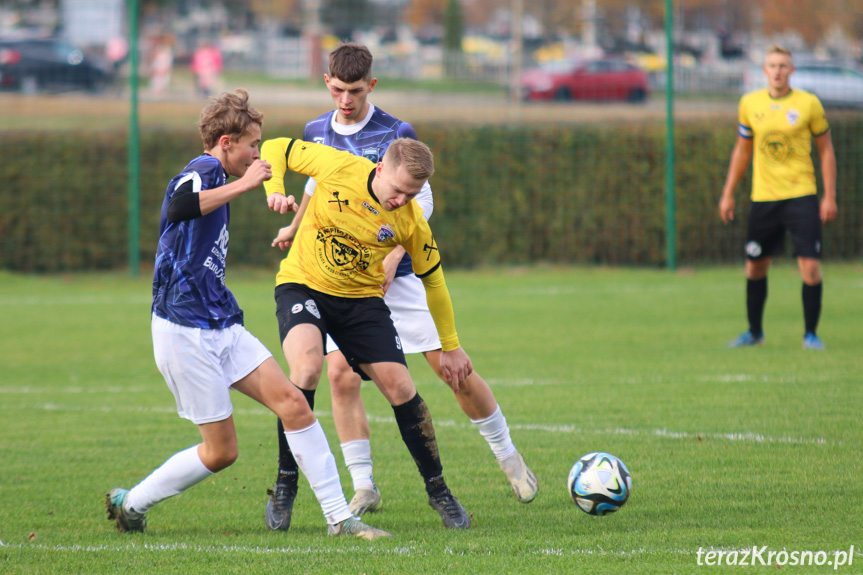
x,y
503,195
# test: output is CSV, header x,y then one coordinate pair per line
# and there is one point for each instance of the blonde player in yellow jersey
x,y
332,281
357,126
778,125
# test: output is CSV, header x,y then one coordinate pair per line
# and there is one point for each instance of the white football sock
x,y
358,460
316,461
183,470
496,432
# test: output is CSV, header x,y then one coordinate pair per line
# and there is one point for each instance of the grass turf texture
x,y
728,448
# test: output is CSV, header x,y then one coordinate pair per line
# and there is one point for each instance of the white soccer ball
x,y
599,483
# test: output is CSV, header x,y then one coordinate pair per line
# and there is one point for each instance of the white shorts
x,y
201,365
409,311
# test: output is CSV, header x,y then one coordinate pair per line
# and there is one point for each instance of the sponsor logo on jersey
x,y
793,116
339,254
430,249
372,154
337,201
222,241
318,140
753,249
297,308
385,234
370,208
312,308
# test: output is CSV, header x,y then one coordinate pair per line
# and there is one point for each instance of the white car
x,y
836,85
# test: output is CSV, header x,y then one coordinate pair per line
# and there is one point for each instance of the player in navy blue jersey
x,y
200,345
355,125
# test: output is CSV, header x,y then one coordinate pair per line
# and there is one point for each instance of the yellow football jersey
x,y
782,129
345,234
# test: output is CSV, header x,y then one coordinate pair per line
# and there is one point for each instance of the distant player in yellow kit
x,y
778,124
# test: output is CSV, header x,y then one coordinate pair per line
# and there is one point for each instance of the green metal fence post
x,y
670,215
134,212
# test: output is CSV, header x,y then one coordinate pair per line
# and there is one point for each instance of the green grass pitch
x,y
728,449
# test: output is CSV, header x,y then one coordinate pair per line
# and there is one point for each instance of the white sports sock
x,y
358,459
496,432
183,470
316,461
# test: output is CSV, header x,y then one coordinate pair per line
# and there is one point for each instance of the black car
x,y
34,65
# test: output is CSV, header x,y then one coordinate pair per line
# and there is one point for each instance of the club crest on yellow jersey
x,y
386,233
777,147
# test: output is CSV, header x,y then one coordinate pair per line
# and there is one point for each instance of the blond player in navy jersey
x,y
777,125
199,342
357,126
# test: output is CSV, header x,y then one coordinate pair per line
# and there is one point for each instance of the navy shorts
x,y
768,222
361,327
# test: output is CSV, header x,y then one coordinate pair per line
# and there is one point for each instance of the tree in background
x,y
453,34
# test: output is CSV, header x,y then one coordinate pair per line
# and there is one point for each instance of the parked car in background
x,y
35,64
602,79
837,85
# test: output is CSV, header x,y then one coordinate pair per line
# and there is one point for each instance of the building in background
x,y
91,22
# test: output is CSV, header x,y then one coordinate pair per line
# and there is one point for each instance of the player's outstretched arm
x,y
282,204
456,366
827,155
285,238
256,174
273,151
455,363
739,162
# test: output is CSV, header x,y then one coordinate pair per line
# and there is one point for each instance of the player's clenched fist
x,y
282,204
258,172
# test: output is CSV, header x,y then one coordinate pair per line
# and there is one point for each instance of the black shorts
x,y
361,327
769,220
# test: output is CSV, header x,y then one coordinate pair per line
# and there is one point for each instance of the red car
x,y
605,79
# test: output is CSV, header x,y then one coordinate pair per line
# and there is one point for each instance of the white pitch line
x,y
75,389
410,550
523,382
748,377
567,289
403,551
664,433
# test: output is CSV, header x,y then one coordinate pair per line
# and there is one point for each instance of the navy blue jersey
x,y
189,279
370,139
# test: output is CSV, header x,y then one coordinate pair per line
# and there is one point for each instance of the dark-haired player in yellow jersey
x,y
332,281
778,125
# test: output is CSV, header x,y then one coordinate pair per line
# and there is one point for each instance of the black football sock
x,y
812,305
415,425
756,296
288,468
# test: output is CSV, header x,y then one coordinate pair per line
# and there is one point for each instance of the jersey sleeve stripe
x,y
428,273
288,151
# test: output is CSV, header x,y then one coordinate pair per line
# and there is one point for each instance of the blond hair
x,y
777,49
415,156
227,114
